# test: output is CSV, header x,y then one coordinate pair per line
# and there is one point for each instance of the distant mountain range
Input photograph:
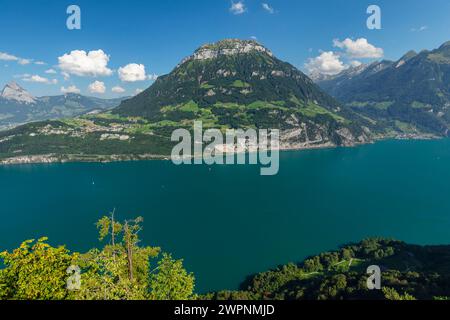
x,y
17,106
241,84
411,94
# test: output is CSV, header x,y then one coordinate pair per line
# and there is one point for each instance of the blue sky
x,y
158,34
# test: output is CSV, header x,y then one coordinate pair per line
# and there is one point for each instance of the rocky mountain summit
x,y
12,91
226,48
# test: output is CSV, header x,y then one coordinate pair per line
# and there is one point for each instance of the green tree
x,y
171,282
108,226
347,253
313,265
392,294
120,271
35,271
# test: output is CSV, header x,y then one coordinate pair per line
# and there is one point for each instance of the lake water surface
x,y
228,221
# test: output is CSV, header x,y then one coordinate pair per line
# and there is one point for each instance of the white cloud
x,y
97,87
118,89
70,89
40,63
327,63
137,91
132,72
268,8
80,63
152,77
38,79
355,63
24,75
65,75
359,48
24,61
50,71
422,28
7,57
238,7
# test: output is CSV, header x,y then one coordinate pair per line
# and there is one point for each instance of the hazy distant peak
x,y
351,71
12,91
408,56
444,45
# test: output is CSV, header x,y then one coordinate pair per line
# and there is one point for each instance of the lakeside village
x,y
258,147
209,146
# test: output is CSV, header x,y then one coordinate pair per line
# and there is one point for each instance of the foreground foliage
x,y
119,271
123,270
34,271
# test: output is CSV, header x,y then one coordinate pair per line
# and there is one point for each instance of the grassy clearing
x,y
240,84
405,127
206,86
383,105
418,105
190,106
258,105
312,110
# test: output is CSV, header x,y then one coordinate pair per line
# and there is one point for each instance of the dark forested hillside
x,y
408,272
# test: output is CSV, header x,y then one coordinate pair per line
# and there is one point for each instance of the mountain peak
x,y
13,85
406,57
230,44
410,54
349,72
444,45
13,91
227,47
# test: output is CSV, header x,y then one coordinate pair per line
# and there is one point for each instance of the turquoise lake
x,y
228,222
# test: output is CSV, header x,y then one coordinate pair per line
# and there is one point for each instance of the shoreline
x,y
73,158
